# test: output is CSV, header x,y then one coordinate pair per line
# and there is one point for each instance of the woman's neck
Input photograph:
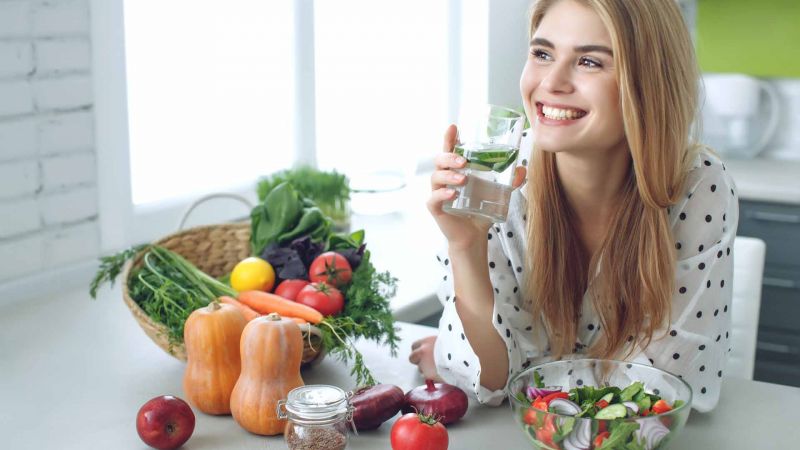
x,y
592,184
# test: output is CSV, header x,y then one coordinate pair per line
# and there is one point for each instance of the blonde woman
x,y
619,244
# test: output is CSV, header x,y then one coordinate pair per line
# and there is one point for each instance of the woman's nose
x,y
558,78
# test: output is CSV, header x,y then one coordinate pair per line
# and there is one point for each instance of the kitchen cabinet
x,y
778,347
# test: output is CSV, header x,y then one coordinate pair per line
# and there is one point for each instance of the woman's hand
x,y
422,356
461,232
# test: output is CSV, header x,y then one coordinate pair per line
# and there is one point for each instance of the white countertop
x,y
405,243
768,180
74,373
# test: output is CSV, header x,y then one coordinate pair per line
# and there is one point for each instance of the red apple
x,y
165,422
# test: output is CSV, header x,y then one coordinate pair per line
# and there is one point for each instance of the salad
x,y
610,403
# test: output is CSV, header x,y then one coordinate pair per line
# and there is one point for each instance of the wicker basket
x,y
214,249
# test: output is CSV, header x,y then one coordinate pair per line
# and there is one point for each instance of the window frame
x,y
122,223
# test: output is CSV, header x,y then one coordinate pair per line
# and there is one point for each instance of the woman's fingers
x,y
450,138
441,178
415,356
519,176
438,197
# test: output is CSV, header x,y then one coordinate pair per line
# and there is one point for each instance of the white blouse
x,y
696,347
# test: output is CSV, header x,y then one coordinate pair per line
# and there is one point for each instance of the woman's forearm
x,y
475,307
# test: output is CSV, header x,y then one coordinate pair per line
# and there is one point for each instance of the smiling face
x,y
568,84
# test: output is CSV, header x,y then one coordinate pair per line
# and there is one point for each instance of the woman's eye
x,y
589,62
540,54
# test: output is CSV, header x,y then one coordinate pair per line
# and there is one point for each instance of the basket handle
x,y
208,197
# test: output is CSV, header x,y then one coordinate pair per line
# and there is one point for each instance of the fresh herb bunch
x,y
329,190
110,268
366,315
166,286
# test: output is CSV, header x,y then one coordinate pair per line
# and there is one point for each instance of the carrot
x,y
248,312
299,321
266,303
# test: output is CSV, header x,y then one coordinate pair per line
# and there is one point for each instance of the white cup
x,y
735,100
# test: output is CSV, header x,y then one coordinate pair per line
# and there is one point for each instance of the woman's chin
x,y
550,145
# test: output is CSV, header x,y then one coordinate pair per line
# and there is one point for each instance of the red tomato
x,y
418,432
331,268
660,407
322,297
546,432
290,288
598,440
530,417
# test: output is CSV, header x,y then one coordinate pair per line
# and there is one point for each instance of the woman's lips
x,y
558,122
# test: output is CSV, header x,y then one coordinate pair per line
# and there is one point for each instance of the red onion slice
x,y
632,406
651,431
581,436
533,392
564,406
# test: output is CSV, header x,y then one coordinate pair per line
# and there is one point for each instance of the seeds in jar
x,y
311,438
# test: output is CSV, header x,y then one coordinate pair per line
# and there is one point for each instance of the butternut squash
x,y
271,351
212,335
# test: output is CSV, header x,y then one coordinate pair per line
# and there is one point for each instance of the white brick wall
x,y
22,256
17,139
66,133
72,243
19,217
48,188
66,171
15,18
61,17
17,58
56,56
17,98
70,92
19,179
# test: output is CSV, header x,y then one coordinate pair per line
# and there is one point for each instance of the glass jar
x,y
318,417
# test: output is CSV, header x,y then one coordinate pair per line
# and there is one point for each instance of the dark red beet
x,y
446,401
375,405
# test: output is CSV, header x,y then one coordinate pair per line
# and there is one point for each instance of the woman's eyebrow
x,y
580,49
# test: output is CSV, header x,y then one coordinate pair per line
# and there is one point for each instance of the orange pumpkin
x,y
271,350
212,335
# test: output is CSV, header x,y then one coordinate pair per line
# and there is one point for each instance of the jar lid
x,y
316,402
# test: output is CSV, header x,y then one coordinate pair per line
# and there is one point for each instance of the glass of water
x,y
489,139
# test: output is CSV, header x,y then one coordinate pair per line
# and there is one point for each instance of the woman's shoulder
x,y
707,211
707,170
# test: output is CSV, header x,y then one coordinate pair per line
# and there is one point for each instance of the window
x,y
210,94
202,97
381,84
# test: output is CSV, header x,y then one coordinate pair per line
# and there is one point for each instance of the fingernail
x,y
460,160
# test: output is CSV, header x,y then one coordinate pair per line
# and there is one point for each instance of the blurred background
x,y
115,116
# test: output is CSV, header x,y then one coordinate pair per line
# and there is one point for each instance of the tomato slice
x,y
660,407
598,440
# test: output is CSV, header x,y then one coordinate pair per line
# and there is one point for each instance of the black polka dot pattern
x,y
702,224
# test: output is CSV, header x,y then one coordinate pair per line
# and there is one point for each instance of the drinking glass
x,y
489,138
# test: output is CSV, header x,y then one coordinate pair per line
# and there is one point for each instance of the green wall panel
x,y
757,37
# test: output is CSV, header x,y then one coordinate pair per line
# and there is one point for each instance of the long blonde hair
x,y
631,292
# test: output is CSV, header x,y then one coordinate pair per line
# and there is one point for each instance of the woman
x,y
619,244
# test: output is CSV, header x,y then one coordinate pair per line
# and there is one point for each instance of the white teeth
x,y
561,114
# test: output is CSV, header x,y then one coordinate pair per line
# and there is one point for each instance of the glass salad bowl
x,y
584,404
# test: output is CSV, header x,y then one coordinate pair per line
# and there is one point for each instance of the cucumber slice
x,y
615,411
495,160
494,157
608,397
503,165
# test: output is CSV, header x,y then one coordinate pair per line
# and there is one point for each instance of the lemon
x,y
253,274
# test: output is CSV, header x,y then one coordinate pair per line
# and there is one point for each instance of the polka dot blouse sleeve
x,y
455,359
704,225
